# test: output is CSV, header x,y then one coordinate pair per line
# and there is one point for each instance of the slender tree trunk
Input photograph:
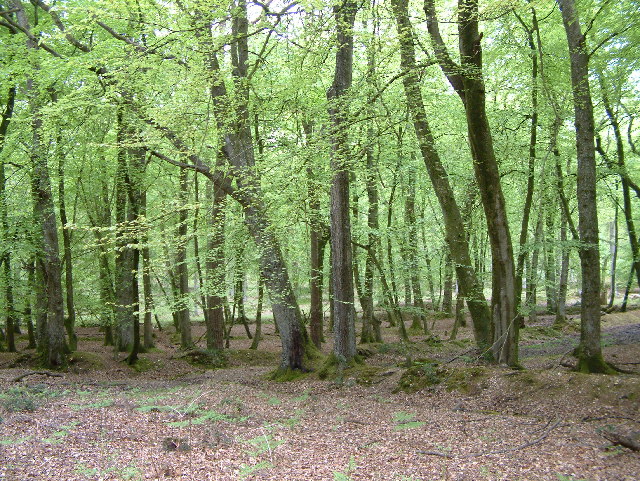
x,y
531,302
533,139
28,302
447,295
550,262
613,249
6,260
147,294
561,313
181,269
634,242
257,337
590,351
70,319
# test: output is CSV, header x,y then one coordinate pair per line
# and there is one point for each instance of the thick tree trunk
x,y
590,351
53,346
215,267
124,268
342,269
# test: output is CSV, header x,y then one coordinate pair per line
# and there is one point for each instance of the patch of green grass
x,y
12,442
129,472
204,416
247,470
95,405
25,398
303,397
143,364
345,476
58,436
264,443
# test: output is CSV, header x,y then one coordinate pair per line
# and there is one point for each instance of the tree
x,y
467,80
341,253
589,351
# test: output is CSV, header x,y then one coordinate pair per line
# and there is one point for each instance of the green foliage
x,y
247,470
264,443
404,420
345,476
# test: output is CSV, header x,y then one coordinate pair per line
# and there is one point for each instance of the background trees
x,y
122,105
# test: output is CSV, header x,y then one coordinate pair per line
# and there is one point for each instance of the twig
x,y
499,451
43,373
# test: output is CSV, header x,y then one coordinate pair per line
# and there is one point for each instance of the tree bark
x,y
590,351
342,269
181,268
4,223
468,82
456,236
54,347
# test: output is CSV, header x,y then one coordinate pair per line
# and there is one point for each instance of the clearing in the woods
x,y
426,410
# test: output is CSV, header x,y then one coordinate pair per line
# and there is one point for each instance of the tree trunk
x,y
4,223
550,263
54,347
124,267
533,139
342,269
468,82
70,319
613,249
455,231
181,268
257,336
147,294
215,266
531,302
590,351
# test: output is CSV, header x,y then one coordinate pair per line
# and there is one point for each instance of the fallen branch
x,y
499,451
32,373
619,439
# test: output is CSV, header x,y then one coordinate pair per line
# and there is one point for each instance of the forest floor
x,y
426,410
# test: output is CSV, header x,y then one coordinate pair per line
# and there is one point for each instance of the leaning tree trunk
x,y
342,269
590,351
456,237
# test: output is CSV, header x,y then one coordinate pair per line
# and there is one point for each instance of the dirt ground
x,y
455,419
